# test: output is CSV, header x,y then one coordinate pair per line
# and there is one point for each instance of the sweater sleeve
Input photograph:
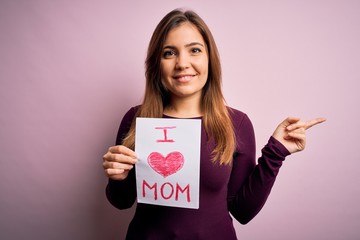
x,y
250,183
122,194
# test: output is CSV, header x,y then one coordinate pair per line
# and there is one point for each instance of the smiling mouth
x,y
184,78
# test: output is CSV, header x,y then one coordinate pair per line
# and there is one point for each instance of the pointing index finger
x,y
313,122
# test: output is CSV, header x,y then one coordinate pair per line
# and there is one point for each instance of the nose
x,y
182,61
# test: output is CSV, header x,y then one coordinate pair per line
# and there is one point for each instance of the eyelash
x,y
170,53
196,50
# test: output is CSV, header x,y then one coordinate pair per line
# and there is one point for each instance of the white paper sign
x,y
168,170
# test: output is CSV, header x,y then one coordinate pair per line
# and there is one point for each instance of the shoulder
x,y
128,118
125,124
131,113
241,122
237,116
243,130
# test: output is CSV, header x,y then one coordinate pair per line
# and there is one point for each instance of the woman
x,y
183,80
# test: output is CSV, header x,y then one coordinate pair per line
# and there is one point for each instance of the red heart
x,y
168,165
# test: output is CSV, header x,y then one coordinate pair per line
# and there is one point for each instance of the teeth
x,y
185,77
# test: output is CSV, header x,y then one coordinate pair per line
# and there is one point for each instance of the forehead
x,y
184,33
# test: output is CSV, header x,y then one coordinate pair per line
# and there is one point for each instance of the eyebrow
x,y
187,45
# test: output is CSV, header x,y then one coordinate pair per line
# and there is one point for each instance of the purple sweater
x,y
240,189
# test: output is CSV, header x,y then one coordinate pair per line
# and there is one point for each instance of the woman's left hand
x,y
292,132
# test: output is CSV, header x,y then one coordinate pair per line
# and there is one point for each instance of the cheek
x,y
202,65
165,70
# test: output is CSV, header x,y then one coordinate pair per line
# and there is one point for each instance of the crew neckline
x,y
167,116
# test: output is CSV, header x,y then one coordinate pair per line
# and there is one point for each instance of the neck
x,y
184,108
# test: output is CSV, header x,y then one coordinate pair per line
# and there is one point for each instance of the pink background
x,y
70,69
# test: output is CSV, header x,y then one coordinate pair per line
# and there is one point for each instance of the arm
x,y
250,184
118,165
122,193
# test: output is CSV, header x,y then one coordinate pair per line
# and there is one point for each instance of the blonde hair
x,y
216,118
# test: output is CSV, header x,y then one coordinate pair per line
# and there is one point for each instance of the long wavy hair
x,y
216,117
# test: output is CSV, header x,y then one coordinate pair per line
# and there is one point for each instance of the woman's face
x,y
184,62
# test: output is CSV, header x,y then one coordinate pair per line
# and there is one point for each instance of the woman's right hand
x,y
118,161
